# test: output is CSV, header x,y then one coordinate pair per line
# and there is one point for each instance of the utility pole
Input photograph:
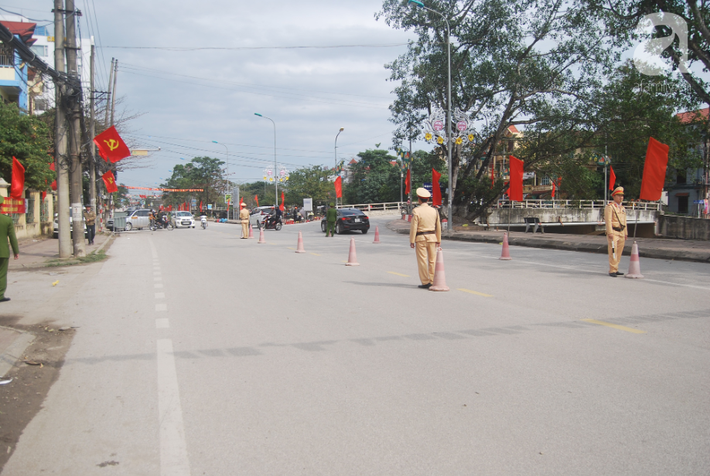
x,y
113,90
108,97
92,133
60,137
74,117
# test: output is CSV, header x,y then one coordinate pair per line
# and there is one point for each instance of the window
x,y
546,181
39,50
683,204
30,210
7,55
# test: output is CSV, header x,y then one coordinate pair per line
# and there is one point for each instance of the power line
x,y
237,48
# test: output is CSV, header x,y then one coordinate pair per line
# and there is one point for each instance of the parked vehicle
x,y
349,219
183,219
138,219
55,226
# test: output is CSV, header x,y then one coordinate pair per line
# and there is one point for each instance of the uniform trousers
x,y
426,260
4,263
330,228
245,229
619,240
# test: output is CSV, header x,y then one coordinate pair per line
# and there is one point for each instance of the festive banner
x,y
339,187
408,184
111,146
256,197
654,171
515,192
282,206
435,190
110,182
18,179
612,178
166,189
13,205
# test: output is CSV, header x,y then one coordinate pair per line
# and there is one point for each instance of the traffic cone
x,y
299,248
409,218
352,256
251,231
505,254
377,234
261,236
439,274
634,263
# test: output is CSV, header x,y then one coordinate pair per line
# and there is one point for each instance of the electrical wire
x,y
237,48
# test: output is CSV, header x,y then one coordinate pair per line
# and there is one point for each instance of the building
x,y
14,72
688,189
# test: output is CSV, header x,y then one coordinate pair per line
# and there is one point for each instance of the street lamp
x,y
336,156
450,208
227,162
276,180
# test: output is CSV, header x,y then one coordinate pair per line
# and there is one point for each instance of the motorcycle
x,y
271,223
161,224
203,220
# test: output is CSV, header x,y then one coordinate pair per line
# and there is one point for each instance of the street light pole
x,y
450,208
336,158
227,162
276,180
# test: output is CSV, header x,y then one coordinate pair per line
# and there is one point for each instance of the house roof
x,y
692,116
513,129
24,30
353,161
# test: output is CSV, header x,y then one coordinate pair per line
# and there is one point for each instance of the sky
x,y
190,73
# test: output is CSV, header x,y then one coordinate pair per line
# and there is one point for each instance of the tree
x,y
309,182
374,178
200,173
26,138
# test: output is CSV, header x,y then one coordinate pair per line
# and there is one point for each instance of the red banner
x,y
111,146
110,182
166,189
17,188
13,205
409,181
339,187
256,197
435,190
515,192
282,206
654,171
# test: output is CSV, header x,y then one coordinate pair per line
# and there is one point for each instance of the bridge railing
x,y
374,207
588,204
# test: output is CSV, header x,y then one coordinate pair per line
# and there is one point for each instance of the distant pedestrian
x,y
90,218
7,231
616,231
425,236
244,217
331,216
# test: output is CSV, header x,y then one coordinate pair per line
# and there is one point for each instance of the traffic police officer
x,y
331,217
616,231
7,231
244,217
425,236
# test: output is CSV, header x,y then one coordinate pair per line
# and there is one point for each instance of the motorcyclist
x,y
203,219
274,218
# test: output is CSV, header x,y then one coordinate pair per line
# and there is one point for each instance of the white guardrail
x,y
586,204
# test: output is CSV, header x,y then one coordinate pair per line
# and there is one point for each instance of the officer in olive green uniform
x,y
616,231
425,236
244,217
7,230
331,217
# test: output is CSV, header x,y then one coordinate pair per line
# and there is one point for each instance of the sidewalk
x,y
35,253
659,248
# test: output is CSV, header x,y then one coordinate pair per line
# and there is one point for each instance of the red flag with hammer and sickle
x,y
111,146
110,182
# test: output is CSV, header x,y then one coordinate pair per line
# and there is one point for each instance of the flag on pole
x,y
654,171
17,188
111,146
612,178
435,190
493,176
200,205
110,182
256,198
282,206
553,189
407,186
515,192
339,187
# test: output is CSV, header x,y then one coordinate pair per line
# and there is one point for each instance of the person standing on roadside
x,y
244,217
7,230
90,218
331,216
425,236
616,232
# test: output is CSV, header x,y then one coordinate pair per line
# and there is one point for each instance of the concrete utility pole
x,y
108,96
113,90
75,170
92,134
60,137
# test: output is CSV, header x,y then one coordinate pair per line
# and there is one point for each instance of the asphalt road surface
x,y
199,353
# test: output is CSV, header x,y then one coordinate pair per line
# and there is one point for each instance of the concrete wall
x,y
685,228
566,215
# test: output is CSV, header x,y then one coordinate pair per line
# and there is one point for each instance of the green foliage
x,y
309,182
201,172
26,138
374,178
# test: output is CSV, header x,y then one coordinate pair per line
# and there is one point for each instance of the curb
x,y
655,253
112,236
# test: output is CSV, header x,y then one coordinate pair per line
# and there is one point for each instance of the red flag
x,y
185,206
170,208
52,167
110,182
339,187
54,185
18,179
553,189
654,171
282,202
493,176
515,192
200,205
435,190
162,208
408,184
256,197
111,146
241,200
612,178
44,195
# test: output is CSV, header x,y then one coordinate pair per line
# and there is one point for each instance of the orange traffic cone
x,y
409,218
299,248
439,274
352,256
634,264
377,234
261,236
505,254
251,232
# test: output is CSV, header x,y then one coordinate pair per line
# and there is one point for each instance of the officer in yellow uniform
x,y
425,236
244,217
616,231
7,231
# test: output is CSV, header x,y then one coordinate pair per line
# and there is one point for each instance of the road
x,y
200,353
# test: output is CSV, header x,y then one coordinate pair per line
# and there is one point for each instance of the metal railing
x,y
578,204
368,207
